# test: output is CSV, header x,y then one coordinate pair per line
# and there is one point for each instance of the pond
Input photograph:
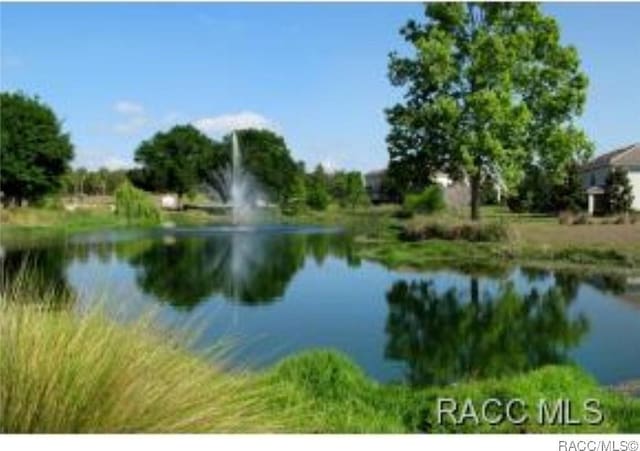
x,y
278,290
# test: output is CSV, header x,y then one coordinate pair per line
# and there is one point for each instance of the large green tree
x,y
34,151
174,160
489,90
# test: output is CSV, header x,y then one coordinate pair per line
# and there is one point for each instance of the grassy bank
x,y
533,239
49,220
65,372
467,255
16,223
340,398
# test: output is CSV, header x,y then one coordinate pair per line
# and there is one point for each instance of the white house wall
x,y
634,178
600,176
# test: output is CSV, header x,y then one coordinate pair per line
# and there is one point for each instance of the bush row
x,y
571,218
421,230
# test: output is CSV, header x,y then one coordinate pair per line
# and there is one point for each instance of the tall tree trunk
x,y
475,196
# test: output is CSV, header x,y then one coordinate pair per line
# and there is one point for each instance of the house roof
x,y
374,173
624,156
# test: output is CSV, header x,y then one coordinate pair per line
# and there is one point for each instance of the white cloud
x,y
129,108
131,126
134,117
113,163
329,165
218,125
93,159
173,118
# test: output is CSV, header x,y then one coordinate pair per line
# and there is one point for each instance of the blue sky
x,y
117,73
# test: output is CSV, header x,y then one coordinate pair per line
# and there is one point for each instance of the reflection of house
x,y
594,174
632,291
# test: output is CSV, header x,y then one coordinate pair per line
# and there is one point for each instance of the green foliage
x,y
490,89
34,151
618,192
419,229
317,189
430,200
330,394
135,205
347,189
295,202
538,192
355,193
570,194
102,182
176,160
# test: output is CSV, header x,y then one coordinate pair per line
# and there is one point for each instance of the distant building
x,y
373,184
594,175
456,193
169,202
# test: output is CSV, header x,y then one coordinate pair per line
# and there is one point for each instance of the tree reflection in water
x,y
41,272
444,338
251,268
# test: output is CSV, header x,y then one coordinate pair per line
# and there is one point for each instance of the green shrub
x,y
420,230
403,213
317,198
135,205
429,201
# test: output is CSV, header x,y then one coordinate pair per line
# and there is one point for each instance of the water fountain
x,y
237,188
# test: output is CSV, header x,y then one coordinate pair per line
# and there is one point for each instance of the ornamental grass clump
x,y
62,371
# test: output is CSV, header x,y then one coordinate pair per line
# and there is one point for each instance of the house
x,y
594,175
373,184
456,194
169,202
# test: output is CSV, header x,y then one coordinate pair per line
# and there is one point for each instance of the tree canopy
x,y
489,90
174,160
35,152
317,194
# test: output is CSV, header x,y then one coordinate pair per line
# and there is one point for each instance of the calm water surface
x,y
279,290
